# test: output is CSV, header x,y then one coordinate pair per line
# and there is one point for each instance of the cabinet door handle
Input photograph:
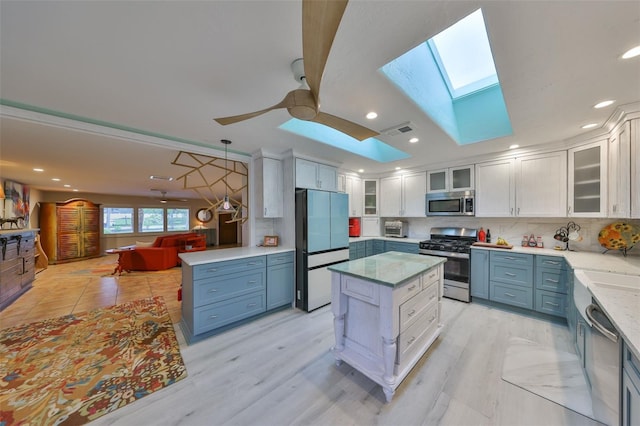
x,y
552,304
251,305
412,313
410,341
252,282
509,258
265,211
551,281
213,290
252,263
509,274
212,270
413,287
510,295
511,212
551,262
213,317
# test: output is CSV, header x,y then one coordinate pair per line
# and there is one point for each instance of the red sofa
x,y
162,254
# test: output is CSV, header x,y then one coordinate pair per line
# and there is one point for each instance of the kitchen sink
x,y
608,279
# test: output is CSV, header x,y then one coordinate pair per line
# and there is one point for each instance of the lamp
x,y
226,206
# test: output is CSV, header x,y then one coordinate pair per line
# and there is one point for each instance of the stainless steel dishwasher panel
x,y
603,367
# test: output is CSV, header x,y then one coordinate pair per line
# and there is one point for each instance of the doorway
x,y
227,232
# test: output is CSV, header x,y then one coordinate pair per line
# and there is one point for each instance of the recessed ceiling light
x,y
38,170
67,186
360,170
590,126
514,146
397,168
372,115
75,190
603,104
631,53
56,179
413,140
153,177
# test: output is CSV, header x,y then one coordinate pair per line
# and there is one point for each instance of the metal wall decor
x,y
205,174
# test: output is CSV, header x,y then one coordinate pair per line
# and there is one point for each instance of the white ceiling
x,y
169,67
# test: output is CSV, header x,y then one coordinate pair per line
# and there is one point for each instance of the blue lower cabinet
x,y
280,285
515,295
402,247
479,273
378,247
551,303
216,315
357,250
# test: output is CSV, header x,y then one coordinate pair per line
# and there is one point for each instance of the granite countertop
x,y
622,306
391,268
208,256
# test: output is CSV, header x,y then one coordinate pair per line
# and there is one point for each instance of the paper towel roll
x,y
581,293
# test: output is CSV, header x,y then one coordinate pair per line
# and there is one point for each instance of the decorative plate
x,y
619,236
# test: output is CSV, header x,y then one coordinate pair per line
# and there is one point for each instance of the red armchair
x,y
163,253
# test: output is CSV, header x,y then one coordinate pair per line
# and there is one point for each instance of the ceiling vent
x,y
400,129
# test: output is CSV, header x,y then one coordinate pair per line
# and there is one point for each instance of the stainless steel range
x,y
455,245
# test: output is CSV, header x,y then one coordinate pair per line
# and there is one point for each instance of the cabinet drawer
x,y
551,303
361,290
512,274
413,308
227,286
550,262
430,277
218,314
511,295
408,290
511,258
221,268
280,258
414,336
402,247
551,279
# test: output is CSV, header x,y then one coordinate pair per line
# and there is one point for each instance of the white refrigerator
x,y
322,239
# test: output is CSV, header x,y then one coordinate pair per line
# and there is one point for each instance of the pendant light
x,y
226,206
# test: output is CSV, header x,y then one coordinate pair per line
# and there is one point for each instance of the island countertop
x,y
391,268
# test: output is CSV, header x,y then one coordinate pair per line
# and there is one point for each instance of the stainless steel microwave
x,y
460,203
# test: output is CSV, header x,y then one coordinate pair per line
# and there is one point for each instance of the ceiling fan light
x,y
631,53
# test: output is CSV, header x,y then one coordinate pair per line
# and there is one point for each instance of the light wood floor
x,y
278,370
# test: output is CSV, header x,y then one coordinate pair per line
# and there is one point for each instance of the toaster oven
x,y
396,228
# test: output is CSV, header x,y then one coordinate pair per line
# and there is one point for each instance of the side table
x,y
122,251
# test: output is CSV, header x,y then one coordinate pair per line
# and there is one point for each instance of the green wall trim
x,y
41,110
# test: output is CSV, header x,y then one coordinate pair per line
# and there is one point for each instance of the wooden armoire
x,y
70,230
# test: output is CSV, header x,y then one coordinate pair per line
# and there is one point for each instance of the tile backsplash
x,y
512,229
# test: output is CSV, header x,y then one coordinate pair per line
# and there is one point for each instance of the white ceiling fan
x,y
320,21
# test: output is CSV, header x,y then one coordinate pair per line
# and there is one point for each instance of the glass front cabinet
x,y
370,187
587,180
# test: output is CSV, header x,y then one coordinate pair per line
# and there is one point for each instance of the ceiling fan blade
x,y
350,128
287,102
320,21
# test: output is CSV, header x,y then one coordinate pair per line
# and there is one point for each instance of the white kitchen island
x,y
386,313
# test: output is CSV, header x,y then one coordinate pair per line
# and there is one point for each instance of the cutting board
x,y
479,244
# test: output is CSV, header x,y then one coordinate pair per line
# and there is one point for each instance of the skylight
x,y
464,55
371,148
452,78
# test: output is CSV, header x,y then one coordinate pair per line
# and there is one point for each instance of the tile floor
x,y
88,284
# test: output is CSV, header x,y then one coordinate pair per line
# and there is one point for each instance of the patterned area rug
x,y
76,368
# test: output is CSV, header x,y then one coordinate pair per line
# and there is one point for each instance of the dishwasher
x,y
603,366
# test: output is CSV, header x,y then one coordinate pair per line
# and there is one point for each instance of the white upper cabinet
x,y
529,186
269,187
353,188
495,189
587,180
619,185
312,175
541,185
370,190
451,179
635,168
403,195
